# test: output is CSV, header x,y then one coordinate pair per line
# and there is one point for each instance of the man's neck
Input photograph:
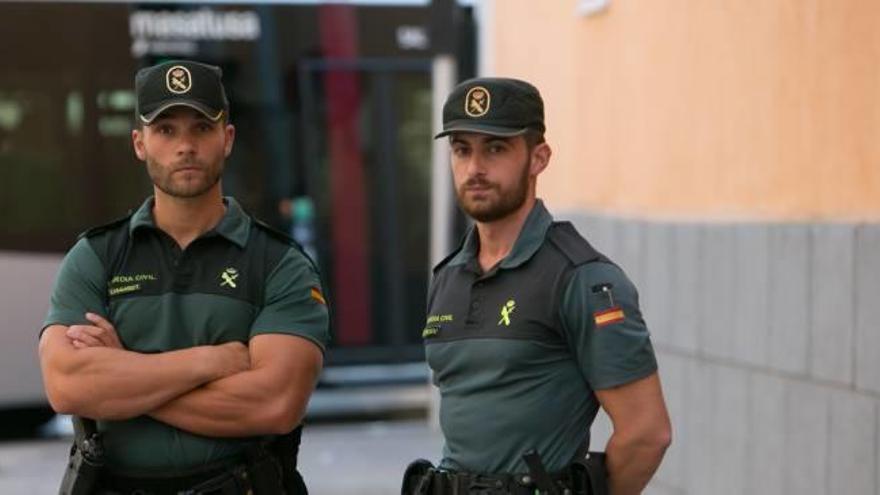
x,y
497,238
185,219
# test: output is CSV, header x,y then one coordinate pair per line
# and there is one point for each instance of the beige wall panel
x,y
723,109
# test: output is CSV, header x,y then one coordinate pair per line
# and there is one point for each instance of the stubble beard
x,y
164,178
506,202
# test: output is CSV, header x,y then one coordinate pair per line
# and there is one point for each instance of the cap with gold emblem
x,y
180,82
493,105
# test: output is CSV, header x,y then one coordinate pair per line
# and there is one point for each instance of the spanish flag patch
x,y
608,316
317,296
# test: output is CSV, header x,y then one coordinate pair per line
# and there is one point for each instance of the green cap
x,y
493,105
180,82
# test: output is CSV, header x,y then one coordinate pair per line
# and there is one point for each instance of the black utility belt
x,y
586,476
264,468
231,479
442,482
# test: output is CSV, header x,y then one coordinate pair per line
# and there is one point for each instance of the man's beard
x,y
163,178
505,203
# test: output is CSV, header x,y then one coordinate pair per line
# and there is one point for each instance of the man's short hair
x,y
533,137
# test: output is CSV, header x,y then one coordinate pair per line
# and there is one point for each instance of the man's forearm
x,y
269,398
632,463
235,406
110,383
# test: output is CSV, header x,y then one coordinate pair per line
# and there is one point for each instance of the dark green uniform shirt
x,y
518,351
234,282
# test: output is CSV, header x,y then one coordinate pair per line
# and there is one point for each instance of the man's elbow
x,y
65,400
653,440
60,389
283,416
58,363
61,402
656,440
662,438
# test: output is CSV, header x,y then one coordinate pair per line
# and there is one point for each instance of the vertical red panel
x,y
351,288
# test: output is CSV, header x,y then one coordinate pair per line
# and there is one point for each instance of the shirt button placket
x,y
476,301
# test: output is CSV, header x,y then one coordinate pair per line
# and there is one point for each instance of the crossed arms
x,y
226,390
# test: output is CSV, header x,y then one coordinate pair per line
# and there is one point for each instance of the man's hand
x,y
101,333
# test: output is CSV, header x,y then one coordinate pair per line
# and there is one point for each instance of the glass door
x,y
366,137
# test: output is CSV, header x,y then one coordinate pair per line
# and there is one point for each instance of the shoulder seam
x,y
107,226
273,232
442,263
284,238
445,261
572,244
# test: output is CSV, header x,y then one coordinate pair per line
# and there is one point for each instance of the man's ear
x,y
540,158
229,130
137,140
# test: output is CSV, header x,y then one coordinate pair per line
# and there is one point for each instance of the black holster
x,y
272,465
86,460
417,478
590,474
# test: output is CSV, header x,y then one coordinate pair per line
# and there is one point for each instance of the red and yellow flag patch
x,y
317,296
608,316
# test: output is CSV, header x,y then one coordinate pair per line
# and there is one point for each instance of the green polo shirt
x,y
238,280
518,351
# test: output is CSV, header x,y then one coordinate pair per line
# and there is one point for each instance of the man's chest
x,y
507,304
154,267
162,298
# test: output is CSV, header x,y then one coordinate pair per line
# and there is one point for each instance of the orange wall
x,y
721,109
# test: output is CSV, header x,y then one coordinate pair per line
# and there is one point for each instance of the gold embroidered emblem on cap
x,y
476,101
178,79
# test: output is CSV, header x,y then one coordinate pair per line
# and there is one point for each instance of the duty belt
x,y
442,482
232,480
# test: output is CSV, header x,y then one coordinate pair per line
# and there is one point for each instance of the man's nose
x,y
475,165
186,145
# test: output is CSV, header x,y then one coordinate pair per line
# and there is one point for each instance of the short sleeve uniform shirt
x,y
234,282
518,351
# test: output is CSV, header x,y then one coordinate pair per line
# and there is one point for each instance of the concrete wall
x,y
769,348
720,109
733,141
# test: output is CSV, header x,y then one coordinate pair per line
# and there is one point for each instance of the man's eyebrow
x,y
488,139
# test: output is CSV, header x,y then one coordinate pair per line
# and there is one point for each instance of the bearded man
x,y
187,337
529,329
